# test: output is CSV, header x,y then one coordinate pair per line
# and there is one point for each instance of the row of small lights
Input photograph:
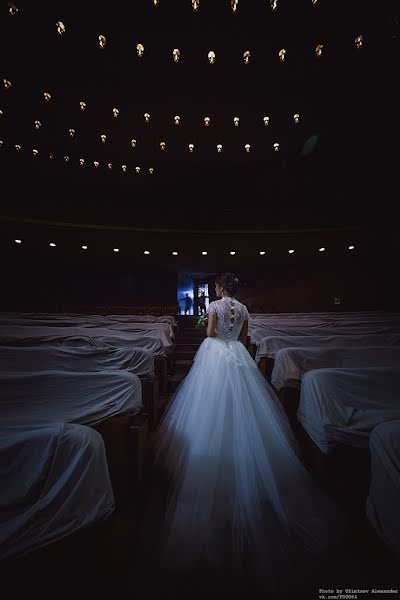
x,y
163,145
234,4
116,112
203,252
13,10
176,53
82,161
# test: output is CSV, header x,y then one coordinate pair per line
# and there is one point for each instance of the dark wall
x,y
30,288
35,275
360,285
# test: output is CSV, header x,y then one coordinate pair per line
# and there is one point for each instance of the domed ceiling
x,y
205,114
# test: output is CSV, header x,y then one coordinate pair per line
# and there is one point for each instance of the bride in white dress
x,y
240,498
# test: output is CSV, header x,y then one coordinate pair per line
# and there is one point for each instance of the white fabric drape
x,y
291,364
269,346
54,480
52,396
136,360
344,405
384,494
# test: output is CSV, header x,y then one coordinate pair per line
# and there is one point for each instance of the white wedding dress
x,y
240,497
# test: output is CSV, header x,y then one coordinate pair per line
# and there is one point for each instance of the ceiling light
x,y
291,251
262,252
176,54
52,244
12,9
116,249
82,105
18,241
232,252
204,252
84,247
175,253
322,249
60,28
140,50
351,247
359,41
246,57
102,41
146,252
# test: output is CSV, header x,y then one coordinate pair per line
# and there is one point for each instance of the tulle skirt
x,y
240,499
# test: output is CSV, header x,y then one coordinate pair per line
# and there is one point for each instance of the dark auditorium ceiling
x,y
334,167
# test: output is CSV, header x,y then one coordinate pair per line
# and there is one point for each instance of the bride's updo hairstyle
x,y
229,282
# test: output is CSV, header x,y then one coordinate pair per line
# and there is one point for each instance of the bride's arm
x,y
211,324
244,332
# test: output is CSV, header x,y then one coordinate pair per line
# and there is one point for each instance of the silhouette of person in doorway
x,y
202,303
187,303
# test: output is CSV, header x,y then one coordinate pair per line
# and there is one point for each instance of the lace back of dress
x,y
231,315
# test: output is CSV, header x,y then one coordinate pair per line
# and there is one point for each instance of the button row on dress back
x,y
232,313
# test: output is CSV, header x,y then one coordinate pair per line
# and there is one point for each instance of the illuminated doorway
x,y
203,298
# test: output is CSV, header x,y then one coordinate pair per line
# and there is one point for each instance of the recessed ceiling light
x,y
232,252
84,247
351,247
52,244
116,249
204,252
175,253
146,252
291,251
262,252
322,249
18,241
